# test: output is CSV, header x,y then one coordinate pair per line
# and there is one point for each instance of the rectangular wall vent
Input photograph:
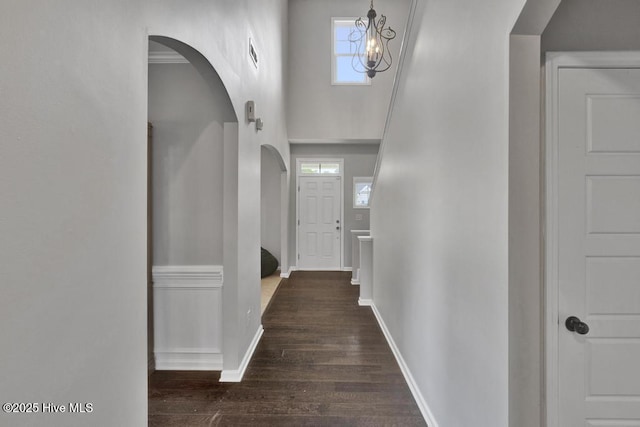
x,y
253,54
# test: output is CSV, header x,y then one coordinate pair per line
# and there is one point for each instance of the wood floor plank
x,y
322,361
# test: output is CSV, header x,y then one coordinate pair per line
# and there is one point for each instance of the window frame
x,y
320,161
362,180
334,56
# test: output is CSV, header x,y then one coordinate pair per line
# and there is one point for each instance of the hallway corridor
x,y
322,361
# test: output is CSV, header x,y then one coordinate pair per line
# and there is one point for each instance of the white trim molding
x,y
411,382
288,273
365,273
188,359
355,255
187,276
341,141
235,375
550,227
186,297
554,62
167,58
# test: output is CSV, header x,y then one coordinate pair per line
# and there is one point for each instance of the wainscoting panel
x,y
187,304
355,255
366,270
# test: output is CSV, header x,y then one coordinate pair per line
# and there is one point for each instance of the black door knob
x,y
576,325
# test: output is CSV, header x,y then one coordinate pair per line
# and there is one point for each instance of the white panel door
x,y
319,229
599,247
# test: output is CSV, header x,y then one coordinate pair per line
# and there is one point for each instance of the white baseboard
x,y
417,395
188,360
288,273
235,376
355,282
365,302
347,268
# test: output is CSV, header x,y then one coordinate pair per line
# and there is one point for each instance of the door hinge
x,y
298,256
298,222
298,188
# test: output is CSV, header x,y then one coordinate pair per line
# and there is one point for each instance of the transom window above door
x,y
319,168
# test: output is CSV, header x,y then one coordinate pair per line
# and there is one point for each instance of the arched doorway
x,y
273,204
190,112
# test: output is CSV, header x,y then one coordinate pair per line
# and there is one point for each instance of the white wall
x,y
73,115
316,109
593,25
187,118
439,213
270,200
266,24
359,160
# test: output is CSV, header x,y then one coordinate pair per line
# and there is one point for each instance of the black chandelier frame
x,y
371,40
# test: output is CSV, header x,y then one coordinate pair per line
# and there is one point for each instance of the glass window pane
x,y
358,65
357,47
344,47
358,39
362,193
342,32
345,72
330,168
311,168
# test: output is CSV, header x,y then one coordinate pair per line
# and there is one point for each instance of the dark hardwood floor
x,y
322,361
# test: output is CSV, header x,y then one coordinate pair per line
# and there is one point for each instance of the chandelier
x,y
372,54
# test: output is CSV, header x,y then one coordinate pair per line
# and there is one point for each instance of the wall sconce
x,y
251,115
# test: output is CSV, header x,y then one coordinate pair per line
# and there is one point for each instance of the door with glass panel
x,y
319,217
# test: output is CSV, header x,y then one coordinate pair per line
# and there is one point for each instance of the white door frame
x,y
554,62
339,160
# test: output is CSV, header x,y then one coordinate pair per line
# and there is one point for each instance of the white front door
x,y
598,247
319,232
